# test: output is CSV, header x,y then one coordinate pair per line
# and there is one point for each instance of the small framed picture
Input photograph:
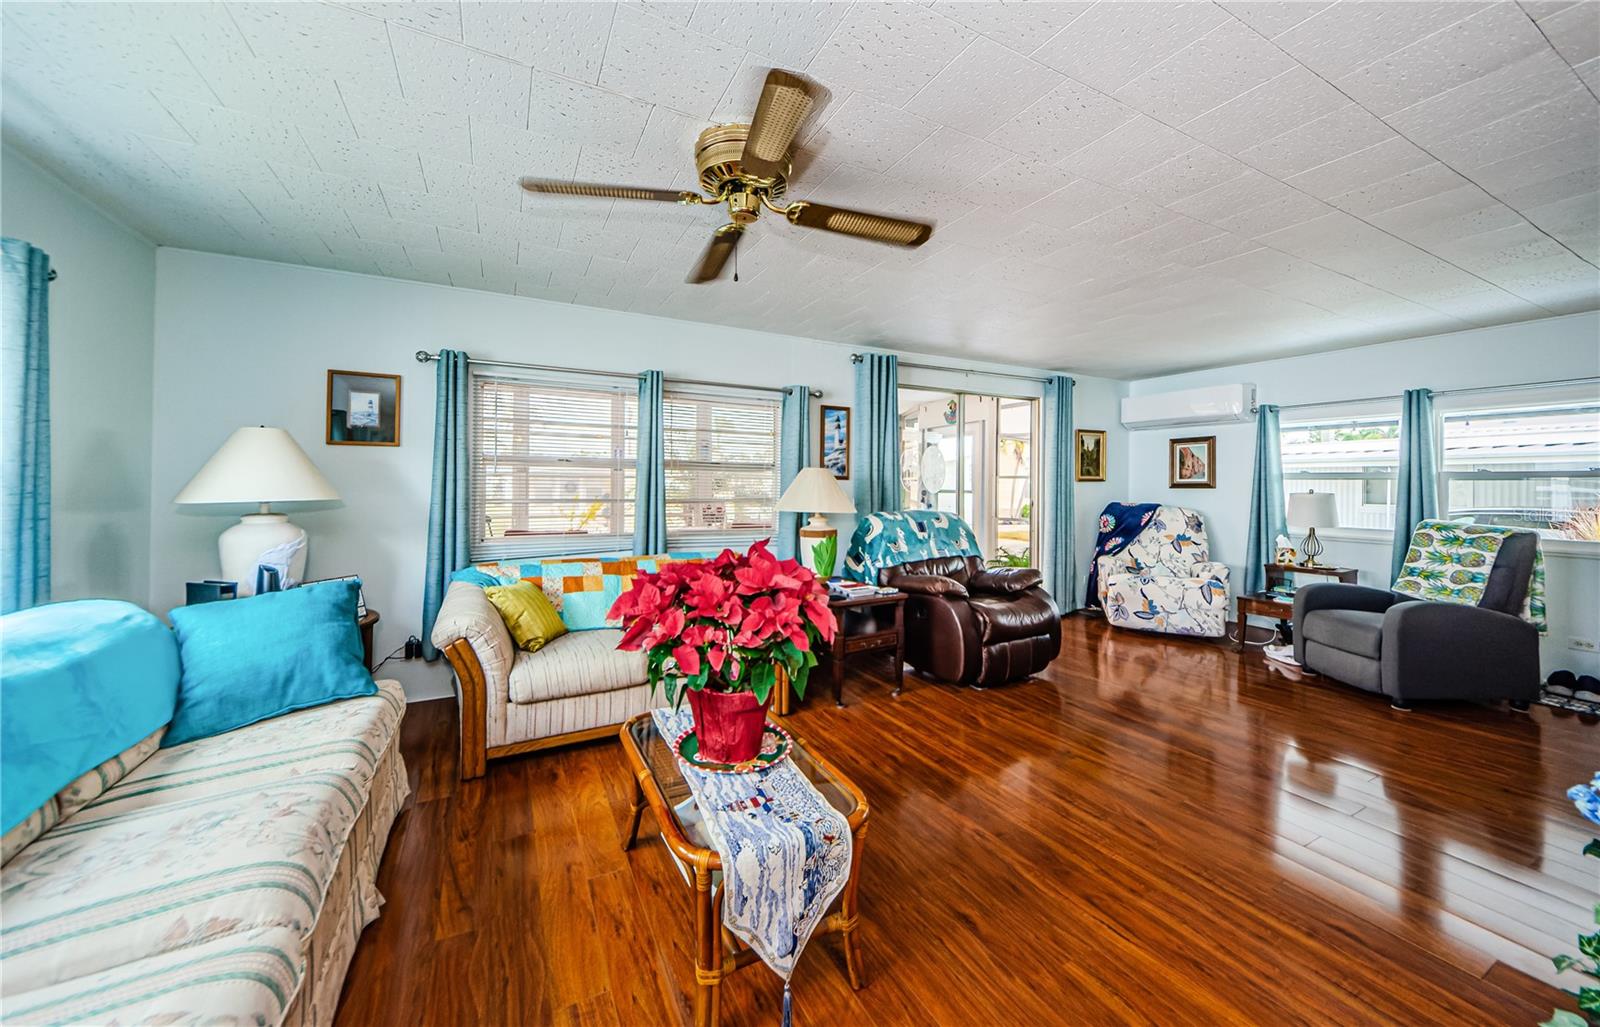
x,y
361,591
1091,462
363,409
1192,463
836,440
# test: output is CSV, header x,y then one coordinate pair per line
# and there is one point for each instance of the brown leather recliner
x,y
974,625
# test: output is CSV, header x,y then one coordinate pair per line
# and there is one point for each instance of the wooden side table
x,y
1279,573
366,622
869,624
1261,606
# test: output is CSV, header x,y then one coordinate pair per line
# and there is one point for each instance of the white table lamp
x,y
815,491
1312,510
261,466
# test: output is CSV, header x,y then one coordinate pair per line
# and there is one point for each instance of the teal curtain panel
x,y
1417,482
650,505
794,453
1060,567
876,461
448,508
25,431
1267,503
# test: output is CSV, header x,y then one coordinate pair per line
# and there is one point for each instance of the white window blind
x,y
552,466
721,456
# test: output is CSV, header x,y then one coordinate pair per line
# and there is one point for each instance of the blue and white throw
x,y
785,851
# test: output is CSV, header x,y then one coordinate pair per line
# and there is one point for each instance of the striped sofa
x,y
225,880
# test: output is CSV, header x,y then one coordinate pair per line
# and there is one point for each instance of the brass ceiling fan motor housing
x,y
717,156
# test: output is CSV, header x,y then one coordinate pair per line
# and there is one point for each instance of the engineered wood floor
x,y
1155,830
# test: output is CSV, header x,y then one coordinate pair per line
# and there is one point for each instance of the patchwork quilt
x,y
581,589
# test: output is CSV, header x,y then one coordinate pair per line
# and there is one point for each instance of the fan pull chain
x,y
736,264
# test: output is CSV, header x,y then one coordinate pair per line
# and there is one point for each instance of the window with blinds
x,y
721,455
552,466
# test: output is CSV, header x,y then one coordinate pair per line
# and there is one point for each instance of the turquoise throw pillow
x,y
247,660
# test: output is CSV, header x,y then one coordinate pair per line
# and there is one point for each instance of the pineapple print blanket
x,y
1450,563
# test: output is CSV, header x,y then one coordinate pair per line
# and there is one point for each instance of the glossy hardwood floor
x,y
1153,831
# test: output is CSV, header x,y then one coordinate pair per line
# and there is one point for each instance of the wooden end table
x,y
1281,610
366,622
659,784
869,624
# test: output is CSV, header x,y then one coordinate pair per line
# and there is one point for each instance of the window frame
x,y
1365,417
706,398
1504,410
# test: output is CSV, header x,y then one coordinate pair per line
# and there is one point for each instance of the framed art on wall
x,y
1091,449
363,409
1192,463
836,440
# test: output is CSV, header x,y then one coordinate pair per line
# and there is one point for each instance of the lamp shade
x,y
1313,510
815,490
258,465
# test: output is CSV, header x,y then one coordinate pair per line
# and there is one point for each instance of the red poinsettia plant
x,y
727,625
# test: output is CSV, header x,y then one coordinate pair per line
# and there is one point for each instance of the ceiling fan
x,y
747,167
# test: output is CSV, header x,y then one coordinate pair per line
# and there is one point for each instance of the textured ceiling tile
x,y
574,112
1575,222
439,19
1023,27
869,134
1210,250
493,243
513,152
889,51
1114,43
1273,17
1446,216
1128,150
108,45
445,76
1227,61
350,46
1574,31
1193,171
786,34
1343,37
1471,48
1067,119
565,38
432,209
1075,203
392,122
486,187
244,134
1017,182
357,158
1286,211
1516,87
269,89
1386,194
348,194
949,159
649,60
1284,103
983,87
1394,156
1329,137
1568,120
1537,167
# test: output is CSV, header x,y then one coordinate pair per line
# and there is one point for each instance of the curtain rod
x,y
1447,392
423,357
855,358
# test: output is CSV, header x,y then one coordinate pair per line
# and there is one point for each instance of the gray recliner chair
x,y
1410,649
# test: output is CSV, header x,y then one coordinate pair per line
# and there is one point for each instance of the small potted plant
x,y
725,634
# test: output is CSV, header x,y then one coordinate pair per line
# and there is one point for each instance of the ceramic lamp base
x,y
241,546
813,534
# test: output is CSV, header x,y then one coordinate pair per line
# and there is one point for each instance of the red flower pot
x,y
728,725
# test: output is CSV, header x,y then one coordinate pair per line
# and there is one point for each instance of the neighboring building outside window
x,y
1356,460
1525,466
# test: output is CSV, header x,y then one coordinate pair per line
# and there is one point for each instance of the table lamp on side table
x,y
261,466
816,491
1312,510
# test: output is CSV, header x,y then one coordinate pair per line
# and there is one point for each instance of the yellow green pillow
x,y
530,618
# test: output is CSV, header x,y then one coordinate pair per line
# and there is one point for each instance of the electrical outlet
x,y
1583,645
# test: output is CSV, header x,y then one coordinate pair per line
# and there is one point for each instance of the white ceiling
x,y
1119,188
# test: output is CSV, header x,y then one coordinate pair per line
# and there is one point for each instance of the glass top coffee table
x,y
659,784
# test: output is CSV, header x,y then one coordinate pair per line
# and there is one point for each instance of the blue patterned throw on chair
x,y
1450,563
886,539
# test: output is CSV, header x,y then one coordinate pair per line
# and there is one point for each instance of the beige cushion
x,y
577,663
466,613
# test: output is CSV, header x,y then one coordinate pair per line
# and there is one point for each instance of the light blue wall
x,y
101,362
1554,348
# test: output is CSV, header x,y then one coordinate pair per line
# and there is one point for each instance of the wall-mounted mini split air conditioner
x,y
1216,404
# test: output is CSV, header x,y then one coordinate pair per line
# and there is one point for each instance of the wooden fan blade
x,y
857,223
723,242
785,101
612,192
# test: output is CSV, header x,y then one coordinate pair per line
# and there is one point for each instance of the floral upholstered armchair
x,y
1165,580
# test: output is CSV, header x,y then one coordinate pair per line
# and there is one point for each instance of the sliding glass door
x,y
973,455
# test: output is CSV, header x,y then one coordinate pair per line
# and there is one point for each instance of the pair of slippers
x,y
1583,687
